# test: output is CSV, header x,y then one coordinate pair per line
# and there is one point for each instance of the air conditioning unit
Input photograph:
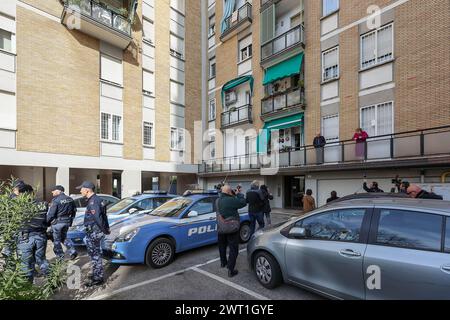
x,y
230,97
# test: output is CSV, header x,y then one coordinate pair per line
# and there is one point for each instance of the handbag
x,y
228,225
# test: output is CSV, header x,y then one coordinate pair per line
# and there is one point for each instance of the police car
x,y
123,209
180,224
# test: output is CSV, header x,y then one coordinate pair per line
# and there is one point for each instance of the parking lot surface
x,y
194,275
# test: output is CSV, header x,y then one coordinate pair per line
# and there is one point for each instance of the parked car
x,y
382,248
180,224
81,202
120,210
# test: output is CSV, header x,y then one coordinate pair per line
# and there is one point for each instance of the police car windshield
x,y
122,204
172,208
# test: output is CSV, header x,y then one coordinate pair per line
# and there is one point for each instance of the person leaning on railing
x,y
360,137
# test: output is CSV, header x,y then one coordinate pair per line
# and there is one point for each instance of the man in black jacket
x,y
255,200
96,225
373,187
319,143
60,215
32,238
414,191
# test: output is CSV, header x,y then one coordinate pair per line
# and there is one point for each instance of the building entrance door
x,y
294,187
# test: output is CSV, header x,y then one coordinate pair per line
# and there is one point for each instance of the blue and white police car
x,y
123,209
180,224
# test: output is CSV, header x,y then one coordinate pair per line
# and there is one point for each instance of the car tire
x,y
244,232
267,270
160,253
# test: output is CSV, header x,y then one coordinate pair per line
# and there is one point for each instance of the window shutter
x,y
385,43
368,49
268,24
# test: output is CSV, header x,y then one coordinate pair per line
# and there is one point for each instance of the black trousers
x,y
232,241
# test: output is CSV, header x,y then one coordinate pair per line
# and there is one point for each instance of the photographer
x,y
373,187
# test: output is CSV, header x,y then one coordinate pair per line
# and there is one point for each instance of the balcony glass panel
x,y
282,42
433,143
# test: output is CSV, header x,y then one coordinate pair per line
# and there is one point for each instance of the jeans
x,y
31,248
254,217
59,237
232,241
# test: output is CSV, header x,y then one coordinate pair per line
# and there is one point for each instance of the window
x,y
377,46
339,225
148,134
105,126
245,48
409,229
212,68
177,139
212,110
377,120
5,40
212,26
330,64
177,92
447,236
247,146
146,204
111,69
330,128
148,29
111,127
178,5
204,206
212,149
329,6
148,82
176,46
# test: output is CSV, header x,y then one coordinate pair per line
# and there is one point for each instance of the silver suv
x,y
381,248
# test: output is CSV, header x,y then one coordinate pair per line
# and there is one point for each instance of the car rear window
x,y
410,229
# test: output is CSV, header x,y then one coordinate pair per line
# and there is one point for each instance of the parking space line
x,y
140,284
231,284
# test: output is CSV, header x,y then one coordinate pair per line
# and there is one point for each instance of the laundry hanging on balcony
x,y
277,124
236,82
284,69
228,9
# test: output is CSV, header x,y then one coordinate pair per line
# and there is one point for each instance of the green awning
x,y
277,124
236,82
284,69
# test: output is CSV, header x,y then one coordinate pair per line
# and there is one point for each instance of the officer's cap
x,y
87,185
60,188
18,184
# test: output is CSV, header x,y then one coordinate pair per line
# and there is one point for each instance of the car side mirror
x,y
299,233
132,210
192,214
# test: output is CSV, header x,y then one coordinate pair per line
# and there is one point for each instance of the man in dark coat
x,y
414,191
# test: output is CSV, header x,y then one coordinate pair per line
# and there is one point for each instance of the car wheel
x,y
160,253
244,232
267,270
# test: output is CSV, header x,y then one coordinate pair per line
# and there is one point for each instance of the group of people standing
x,y
229,202
31,240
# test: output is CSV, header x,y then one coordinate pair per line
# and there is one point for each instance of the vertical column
x,y
131,182
63,177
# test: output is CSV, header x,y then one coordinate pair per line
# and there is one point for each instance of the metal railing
x,y
283,42
237,115
398,146
236,17
282,100
100,13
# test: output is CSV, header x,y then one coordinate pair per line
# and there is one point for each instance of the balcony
x,y
238,21
98,21
282,102
236,116
292,41
422,148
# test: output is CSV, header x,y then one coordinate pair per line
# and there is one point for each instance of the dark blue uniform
x,y
32,242
96,224
60,215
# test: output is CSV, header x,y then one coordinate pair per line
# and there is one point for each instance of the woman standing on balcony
x,y
360,137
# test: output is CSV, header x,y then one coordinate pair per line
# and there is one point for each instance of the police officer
x,y
96,225
60,216
32,238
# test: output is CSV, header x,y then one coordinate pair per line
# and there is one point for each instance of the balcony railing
x,y
244,13
237,115
411,145
101,14
283,100
283,42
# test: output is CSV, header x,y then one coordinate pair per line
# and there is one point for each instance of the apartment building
x,y
279,72
100,90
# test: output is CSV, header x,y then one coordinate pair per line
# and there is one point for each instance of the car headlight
x,y
126,237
